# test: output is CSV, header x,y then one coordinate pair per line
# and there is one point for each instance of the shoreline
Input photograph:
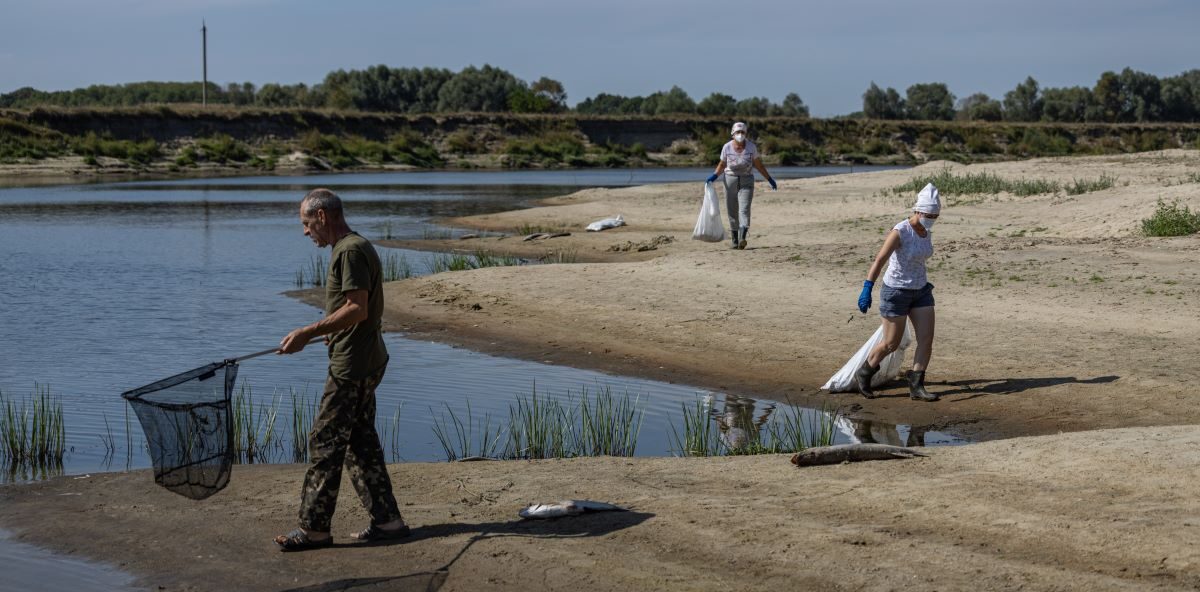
x,y
1056,318
618,312
1111,510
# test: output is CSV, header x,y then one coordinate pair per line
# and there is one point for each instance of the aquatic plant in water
x,y
32,431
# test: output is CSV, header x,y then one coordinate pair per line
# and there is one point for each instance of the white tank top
x,y
906,267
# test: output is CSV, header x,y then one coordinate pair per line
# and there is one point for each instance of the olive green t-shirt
x,y
357,352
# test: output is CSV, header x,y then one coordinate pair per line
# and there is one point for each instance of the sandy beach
x,y
1066,344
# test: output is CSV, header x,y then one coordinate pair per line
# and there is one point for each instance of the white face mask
x,y
741,138
927,222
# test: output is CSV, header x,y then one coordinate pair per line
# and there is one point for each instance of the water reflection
x,y
740,423
747,425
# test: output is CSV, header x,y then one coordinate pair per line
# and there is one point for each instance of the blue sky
x,y
828,52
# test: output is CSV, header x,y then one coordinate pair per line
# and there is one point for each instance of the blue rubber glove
x,y
774,185
711,178
864,298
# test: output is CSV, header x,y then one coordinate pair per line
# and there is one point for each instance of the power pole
x,y
204,52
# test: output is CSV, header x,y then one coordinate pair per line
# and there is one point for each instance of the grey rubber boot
x,y
862,379
916,387
744,233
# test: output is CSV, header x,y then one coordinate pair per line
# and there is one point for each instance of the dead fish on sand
x,y
833,455
567,508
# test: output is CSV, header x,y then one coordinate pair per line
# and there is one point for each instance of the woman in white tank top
x,y
906,294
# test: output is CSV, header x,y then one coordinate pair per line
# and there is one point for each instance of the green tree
x,y
929,101
717,104
674,101
1023,103
881,104
1071,105
753,107
552,91
477,89
792,106
979,107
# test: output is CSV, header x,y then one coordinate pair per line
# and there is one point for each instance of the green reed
x,y
254,436
489,259
396,267
561,256
793,429
540,428
107,440
304,409
32,430
391,434
790,429
312,274
609,425
700,436
469,438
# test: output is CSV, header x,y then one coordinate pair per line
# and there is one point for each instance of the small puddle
x,y
29,567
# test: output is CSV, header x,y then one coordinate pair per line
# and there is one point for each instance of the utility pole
x,y
204,52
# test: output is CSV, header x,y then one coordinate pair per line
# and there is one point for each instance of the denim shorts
x,y
896,302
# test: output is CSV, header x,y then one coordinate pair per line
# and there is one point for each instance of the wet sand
x,y
1103,510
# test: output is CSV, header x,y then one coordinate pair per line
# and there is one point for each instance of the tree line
x,y
1128,96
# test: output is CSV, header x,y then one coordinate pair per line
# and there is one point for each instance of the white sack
x,y
605,224
708,226
889,367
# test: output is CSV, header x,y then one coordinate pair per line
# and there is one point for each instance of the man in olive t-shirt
x,y
343,430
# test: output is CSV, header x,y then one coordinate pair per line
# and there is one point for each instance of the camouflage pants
x,y
343,432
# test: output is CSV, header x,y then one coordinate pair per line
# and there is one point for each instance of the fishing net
x,y
187,420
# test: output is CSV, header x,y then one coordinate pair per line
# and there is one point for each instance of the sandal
x,y
374,533
297,540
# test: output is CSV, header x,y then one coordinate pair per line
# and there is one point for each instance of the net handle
x,y
266,351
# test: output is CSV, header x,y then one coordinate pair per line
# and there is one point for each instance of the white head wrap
x,y
928,201
738,127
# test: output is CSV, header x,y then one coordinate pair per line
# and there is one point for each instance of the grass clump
x,y
221,149
32,431
1081,186
552,148
93,146
1171,219
461,262
977,183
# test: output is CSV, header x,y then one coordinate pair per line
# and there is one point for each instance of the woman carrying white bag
x,y
906,294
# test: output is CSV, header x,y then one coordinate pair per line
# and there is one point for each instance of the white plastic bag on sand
x,y
843,381
708,227
605,224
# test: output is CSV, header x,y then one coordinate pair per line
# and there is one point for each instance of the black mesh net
x,y
187,420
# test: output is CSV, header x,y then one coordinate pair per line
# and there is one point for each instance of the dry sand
x,y
1055,316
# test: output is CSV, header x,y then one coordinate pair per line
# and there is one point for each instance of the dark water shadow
x,y
587,525
979,387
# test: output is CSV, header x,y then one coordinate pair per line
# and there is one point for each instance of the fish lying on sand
x,y
567,508
832,455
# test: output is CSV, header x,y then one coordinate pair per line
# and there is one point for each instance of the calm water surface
x,y
108,287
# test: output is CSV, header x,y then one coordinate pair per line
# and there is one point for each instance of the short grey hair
x,y
322,199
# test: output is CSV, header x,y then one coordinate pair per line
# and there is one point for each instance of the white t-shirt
x,y
739,163
906,266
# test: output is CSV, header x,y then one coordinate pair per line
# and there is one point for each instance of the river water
x,y
106,287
